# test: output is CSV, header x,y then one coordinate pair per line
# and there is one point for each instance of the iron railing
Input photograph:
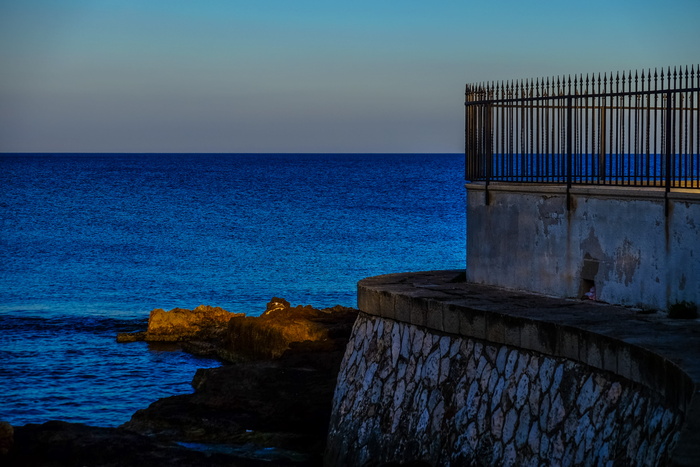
x,y
640,129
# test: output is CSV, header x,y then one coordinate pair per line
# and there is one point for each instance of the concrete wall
x,y
618,239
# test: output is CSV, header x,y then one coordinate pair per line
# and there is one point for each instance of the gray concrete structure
x,y
628,243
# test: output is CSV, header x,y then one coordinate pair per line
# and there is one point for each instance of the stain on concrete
x,y
627,261
591,249
590,246
590,268
550,214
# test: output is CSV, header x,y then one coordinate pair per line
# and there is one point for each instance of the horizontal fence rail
x,y
640,129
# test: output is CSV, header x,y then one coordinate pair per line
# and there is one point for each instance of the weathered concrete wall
x,y
406,393
618,239
456,373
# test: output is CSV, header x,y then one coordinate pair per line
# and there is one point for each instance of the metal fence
x,y
629,129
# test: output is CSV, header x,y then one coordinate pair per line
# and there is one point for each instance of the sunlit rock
x,y
205,323
271,334
182,324
125,337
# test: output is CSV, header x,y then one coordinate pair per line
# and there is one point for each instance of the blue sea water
x,y
90,243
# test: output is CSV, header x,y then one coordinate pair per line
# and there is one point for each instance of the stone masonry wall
x,y
407,393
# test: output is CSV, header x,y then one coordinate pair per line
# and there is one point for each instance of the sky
x,y
300,76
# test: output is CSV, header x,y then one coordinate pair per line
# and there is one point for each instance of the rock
x,y
283,404
66,444
214,332
181,324
204,323
6,438
201,348
124,337
275,390
281,397
276,303
272,333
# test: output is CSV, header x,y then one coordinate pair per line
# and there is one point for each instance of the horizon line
x,y
211,152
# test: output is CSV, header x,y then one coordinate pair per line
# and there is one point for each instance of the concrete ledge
x,y
650,349
641,192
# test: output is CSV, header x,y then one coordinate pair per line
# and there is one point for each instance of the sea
x,y
91,243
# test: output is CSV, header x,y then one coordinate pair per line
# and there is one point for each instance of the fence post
x,y
569,149
471,124
488,148
668,149
602,160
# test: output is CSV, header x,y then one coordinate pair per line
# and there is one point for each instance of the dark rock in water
x,y
72,444
201,348
246,400
282,401
269,404
6,438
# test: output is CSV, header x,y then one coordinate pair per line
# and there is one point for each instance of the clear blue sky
x,y
299,75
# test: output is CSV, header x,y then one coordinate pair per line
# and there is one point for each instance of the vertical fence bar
x,y
501,123
657,147
488,148
647,128
694,144
603,130
667,149
615,130
639,174
467,142
509,152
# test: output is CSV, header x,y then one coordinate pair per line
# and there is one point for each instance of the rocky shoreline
x,y
269,402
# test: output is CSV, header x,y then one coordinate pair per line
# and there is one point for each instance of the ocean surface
x,y
91,243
